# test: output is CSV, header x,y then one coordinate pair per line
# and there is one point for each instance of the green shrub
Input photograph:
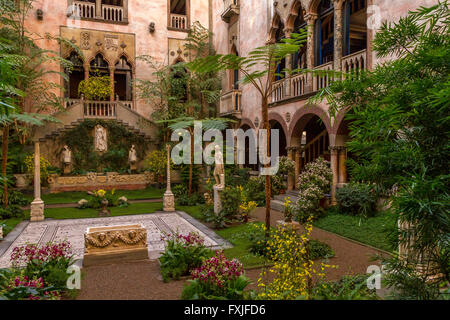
x,y
347,288
218,219
356,199
318,250
231,200
15,201
182,254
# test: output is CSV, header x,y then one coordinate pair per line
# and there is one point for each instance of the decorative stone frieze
x,y
115,243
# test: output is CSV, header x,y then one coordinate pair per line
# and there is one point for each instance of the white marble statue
x,y
100,139
132,157
219,169
67,155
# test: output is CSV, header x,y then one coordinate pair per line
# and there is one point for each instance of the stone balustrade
x,y
112,13
230,102
178,21
84,9
100,109
278,90
299,84
322,80
354,62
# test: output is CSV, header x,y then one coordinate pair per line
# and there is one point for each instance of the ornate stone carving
x,y
101,144
288,117
111,42
115,243
132,158
85,40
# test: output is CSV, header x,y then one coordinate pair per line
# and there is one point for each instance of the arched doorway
x,y
310,137
324,33
99,64
282,144
123,80
247,163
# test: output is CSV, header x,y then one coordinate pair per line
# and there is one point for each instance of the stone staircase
x,y
78,111
277,203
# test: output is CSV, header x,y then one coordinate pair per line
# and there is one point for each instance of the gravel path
x,y
142,281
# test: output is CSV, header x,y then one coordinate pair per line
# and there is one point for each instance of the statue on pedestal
x,y
132,158
169,198
219,169
67,159
219,176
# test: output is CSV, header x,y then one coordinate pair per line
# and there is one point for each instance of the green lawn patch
x,y
74,213
75,196
373,231
236,235
193,211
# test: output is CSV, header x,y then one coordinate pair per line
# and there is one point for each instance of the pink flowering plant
x,y
49,261
182,254
17,286
217,278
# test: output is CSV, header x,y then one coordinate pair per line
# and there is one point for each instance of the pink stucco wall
x,y
140,14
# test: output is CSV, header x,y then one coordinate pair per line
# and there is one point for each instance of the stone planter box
x,y
93,181
110,244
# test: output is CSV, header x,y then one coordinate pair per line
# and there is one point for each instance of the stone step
x,y
277,205
281,197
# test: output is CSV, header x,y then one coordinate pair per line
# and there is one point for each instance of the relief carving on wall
x,y
111,42
85,40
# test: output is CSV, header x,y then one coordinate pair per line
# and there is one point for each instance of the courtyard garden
x,y
209,231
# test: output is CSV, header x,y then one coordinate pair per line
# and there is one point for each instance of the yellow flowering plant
x,y
44,164
292,269
288,210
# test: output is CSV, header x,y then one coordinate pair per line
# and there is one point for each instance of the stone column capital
x,y
338,4
310,17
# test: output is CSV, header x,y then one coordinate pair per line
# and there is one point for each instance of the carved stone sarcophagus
x,y
111,244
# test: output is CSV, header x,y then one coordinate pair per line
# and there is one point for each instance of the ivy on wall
x,y
84,157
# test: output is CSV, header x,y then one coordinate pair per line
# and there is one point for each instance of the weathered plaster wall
x,y
255,20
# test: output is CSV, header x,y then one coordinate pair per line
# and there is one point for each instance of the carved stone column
x,y
37,206
338,33
310,19
334,169
125,10
86,67
288,59
169,198
298,165
342,166
291,178
111,75
98,9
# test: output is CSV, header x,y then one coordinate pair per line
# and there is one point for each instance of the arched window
x,y
355,26
100,64
123,80
324,33
282,65
299,58
235,73
75,76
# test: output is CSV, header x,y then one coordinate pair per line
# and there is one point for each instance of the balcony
x,y
108,13
178,22
299,85
230,103
231,8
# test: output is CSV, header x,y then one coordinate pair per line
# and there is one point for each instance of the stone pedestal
x,y
37,210
217,201
112,244
169,201
67,169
